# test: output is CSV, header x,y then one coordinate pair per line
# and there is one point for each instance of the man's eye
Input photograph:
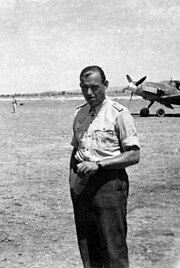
x,y
84,87
94,88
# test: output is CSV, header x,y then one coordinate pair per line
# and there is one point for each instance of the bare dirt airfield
x,y
36,217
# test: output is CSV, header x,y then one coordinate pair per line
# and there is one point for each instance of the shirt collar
x,y
98,107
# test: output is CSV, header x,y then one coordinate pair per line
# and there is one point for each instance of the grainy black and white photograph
x,y
90,134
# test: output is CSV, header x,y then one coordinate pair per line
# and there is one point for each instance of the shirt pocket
x,y
105,138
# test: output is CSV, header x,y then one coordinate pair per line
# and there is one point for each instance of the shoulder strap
x,y
118,106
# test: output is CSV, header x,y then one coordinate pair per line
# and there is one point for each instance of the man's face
x,y
93,89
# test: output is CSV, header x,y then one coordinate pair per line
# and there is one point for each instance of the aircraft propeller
x,y
129,78
140,81
130,99
132,86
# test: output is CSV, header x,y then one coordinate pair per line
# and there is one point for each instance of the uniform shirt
x,y
105,133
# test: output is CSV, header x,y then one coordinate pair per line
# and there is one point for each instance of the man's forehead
x,y
91,76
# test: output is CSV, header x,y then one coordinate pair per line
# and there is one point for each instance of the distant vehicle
x,y
166,93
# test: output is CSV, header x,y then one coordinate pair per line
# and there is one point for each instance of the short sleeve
x,y
126,130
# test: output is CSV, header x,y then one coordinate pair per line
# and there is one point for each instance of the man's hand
x,y
87,168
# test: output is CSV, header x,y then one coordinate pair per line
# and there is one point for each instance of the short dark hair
x,y
93,68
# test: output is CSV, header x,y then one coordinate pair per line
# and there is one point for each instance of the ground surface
x,y
36,217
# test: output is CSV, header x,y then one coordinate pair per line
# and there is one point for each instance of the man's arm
x,y
128,158
73,167
73,161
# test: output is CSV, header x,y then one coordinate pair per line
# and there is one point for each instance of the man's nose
x,y
89,91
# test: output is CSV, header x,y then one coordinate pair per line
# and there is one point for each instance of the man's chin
x,y
92,102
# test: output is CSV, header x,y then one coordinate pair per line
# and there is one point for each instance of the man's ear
x,y
106,83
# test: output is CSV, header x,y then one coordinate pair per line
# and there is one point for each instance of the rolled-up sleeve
x,y
126,130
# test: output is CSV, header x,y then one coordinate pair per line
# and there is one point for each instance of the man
x,y
14,105
105,143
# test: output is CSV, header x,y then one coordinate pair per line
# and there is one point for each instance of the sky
x,y
44,44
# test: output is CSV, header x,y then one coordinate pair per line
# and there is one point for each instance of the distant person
x,y
14,105
105,142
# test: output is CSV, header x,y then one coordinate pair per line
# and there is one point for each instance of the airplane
x,y
166,93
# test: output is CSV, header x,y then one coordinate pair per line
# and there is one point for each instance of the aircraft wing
x,y
173,99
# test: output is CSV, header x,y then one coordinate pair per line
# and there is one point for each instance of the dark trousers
x,y
100,218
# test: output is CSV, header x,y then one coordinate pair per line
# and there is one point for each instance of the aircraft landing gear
x,y
160,112
144,112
